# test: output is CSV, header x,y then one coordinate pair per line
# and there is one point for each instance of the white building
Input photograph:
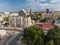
x,y
13,14
23,20
6,14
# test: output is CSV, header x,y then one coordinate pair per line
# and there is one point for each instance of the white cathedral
x,y
25,18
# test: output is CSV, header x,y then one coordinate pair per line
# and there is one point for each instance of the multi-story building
x,y
23,20
54,16
42,16
6,14
47,11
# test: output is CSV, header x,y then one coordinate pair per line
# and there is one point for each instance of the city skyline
x,y
36,5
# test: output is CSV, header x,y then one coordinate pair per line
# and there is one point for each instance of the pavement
x,y
12,28
13,39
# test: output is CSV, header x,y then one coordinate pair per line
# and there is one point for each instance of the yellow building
x,y
54,16
42,16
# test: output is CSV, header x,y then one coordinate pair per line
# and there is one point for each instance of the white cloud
x,y
55,5
36,5
36,0
30,0
42,0
55,1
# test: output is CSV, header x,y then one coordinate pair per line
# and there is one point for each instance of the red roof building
x,y
44,25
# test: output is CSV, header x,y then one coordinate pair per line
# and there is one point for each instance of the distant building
x,y
7,14
30,11
54,16
42,16
57,14
57,23
13,14
47,11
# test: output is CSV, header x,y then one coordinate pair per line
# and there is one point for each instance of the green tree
x,y
51,42
35,17
54,34
6,18
57,36
45,19
33,36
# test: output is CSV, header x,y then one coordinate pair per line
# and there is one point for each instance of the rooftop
x,y
46,25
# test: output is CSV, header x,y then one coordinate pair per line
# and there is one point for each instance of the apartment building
x,y
23,20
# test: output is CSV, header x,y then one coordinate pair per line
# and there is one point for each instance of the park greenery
x,y
6,18
45,20
34,35
35,17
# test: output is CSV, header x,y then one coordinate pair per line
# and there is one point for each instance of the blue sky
x,y
35,5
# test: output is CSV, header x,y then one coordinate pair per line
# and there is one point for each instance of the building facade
x,y
23,20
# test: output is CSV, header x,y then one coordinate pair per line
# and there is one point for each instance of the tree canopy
x,y
54,34
33,35
45,19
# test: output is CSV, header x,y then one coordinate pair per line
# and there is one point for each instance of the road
x,y
12,28
14,41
